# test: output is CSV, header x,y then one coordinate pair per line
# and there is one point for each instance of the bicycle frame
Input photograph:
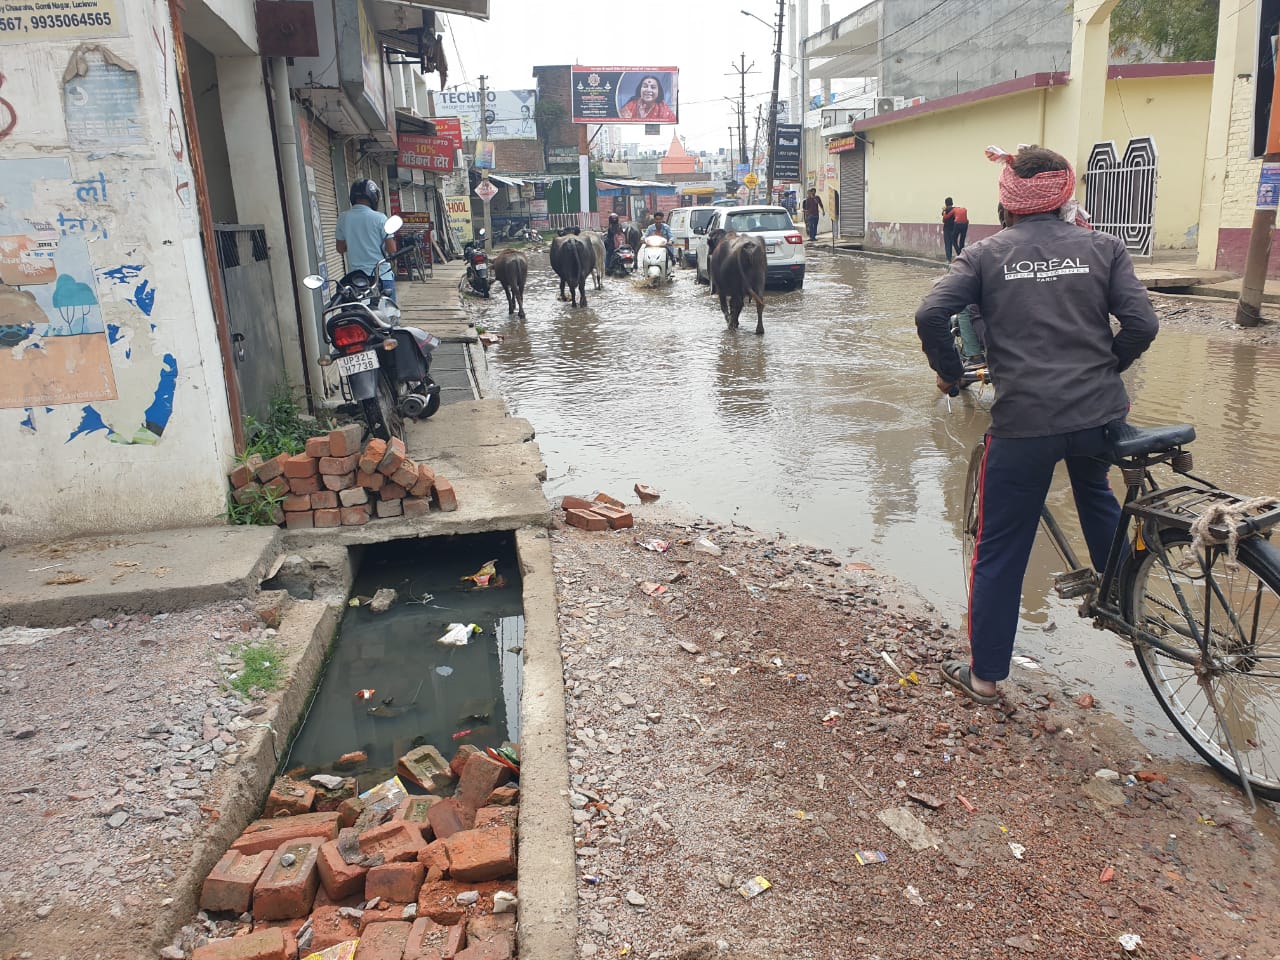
x,y
1105,602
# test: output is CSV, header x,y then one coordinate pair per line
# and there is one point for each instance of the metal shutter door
x,y
853,193
326,197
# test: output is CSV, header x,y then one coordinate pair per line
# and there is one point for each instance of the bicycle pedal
x,y
1075,583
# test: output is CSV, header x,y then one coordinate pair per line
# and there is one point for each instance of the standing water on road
x,y
829,428
423,692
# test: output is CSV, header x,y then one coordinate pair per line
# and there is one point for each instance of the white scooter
x,y
655,262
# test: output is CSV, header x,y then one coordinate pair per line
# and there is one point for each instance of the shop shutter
x,y
327,198
853,193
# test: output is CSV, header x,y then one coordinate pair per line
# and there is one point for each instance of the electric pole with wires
x,y
742,70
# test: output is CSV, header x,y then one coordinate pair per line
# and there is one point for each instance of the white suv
x,y
783,242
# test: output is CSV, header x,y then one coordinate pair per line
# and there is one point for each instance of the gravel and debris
x,y
725,729
116,738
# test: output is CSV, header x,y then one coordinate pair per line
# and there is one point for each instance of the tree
x,y
1174,30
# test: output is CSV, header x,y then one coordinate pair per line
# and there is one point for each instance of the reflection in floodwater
x,y
829,428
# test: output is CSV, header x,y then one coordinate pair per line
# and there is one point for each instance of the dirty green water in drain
x,y
425,692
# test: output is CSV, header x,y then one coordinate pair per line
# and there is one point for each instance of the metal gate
x,y
853,208
1120,194
256,350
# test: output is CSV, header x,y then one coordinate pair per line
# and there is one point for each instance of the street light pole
x,y
773,104
773,99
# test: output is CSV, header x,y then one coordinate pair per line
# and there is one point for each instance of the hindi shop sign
x,y
426,153
648,95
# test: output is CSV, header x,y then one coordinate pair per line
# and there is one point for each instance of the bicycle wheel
x,y
1241,667
970,513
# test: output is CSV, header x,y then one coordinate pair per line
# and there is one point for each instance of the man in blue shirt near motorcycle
x,y
659,227
362,237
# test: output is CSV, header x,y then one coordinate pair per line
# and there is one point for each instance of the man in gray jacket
x,y
1047,290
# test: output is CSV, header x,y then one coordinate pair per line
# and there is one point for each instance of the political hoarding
x,y
786,157
508,114
648,95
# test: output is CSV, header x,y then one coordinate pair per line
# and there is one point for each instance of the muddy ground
x,y
1216,317
721,729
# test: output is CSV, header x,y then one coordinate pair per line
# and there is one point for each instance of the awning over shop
x,y
476,9
407,122
650,186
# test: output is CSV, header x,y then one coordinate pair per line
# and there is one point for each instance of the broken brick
x,y
340,879
287,798
260,945
288,891
270,834
345,440
488,853
337,466
370,480
480,777
426,479
397,841
443,494
585,520
449,817
415,507
374,451
230,884
398,882
270,469
384,940
392,491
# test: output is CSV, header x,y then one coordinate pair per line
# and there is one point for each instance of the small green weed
x,y
284,430
262,667
263,509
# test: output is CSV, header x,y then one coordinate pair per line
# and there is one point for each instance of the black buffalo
x,y
737,265
573,260
511,269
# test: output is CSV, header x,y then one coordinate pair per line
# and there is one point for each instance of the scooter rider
x,y
660,228
361,238
614,237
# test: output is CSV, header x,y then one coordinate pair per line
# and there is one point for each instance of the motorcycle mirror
x,y
481,233
313,281
394,223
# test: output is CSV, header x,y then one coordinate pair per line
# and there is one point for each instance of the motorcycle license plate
x,y
358,362
482,269
769,248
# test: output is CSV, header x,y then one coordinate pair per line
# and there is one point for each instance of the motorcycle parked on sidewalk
x,y
384,367
478,278
655,261
621,261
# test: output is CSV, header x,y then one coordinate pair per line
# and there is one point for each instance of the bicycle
x,y
1193,583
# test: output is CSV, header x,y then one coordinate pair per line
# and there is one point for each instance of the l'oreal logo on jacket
x,y
1043,270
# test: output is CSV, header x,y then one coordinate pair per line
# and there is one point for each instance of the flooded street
x,y
830,430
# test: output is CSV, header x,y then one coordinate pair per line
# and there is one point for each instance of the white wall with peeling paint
x,y
144,458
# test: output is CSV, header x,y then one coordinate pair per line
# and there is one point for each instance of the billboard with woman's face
x,y
626,94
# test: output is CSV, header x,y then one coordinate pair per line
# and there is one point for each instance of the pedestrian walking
x,y
812,208
955,227
1046,289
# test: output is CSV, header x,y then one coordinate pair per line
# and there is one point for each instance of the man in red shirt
x,y
955,227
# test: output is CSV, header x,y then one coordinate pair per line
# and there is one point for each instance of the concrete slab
x,y
458,463
485,504
134,573
473,423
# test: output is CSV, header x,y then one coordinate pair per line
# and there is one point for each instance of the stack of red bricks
x,y
602,512
330,877
335,483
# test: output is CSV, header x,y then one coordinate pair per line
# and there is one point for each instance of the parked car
x,y
683,221
783,241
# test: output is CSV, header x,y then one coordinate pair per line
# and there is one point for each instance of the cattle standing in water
x,y
572,260
511,269
597,249
737,266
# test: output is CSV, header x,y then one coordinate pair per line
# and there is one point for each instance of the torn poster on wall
x,y
102,99
53,341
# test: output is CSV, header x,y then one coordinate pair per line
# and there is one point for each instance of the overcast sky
x,y
703,38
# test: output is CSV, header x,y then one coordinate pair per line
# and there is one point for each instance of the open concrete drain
x,y
393,830
390,685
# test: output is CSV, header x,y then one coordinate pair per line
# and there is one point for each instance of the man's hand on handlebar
x,y
949,387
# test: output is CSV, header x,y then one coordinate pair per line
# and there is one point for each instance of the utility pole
x,y
484,174
742,70
755,145
732,152
1249,309
773,102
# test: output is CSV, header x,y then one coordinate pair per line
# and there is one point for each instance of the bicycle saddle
x,y
1130,441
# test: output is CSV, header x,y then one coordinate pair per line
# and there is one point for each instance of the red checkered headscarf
x,y
1051,190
